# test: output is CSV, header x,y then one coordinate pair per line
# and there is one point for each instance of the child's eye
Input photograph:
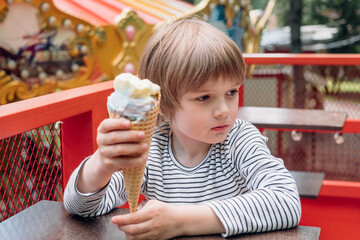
x,y
232,92
202,98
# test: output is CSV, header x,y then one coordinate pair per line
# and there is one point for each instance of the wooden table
x,y
49,220
294,119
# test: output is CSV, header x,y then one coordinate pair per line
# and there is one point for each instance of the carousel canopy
x,y
104,12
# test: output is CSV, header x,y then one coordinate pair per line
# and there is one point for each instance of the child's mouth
x,y
220,128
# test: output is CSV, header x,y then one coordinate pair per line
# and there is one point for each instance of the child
x,y
207,172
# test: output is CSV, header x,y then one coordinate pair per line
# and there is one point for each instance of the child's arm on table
x,y
271,205
89,181
158,220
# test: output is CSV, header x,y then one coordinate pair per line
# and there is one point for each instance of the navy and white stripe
x,y
248,189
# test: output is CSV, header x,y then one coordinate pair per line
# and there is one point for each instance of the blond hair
x,y
182,55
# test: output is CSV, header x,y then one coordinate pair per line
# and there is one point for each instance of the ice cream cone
x,y
133,176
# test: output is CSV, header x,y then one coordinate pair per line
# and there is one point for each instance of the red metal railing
x,y
72,116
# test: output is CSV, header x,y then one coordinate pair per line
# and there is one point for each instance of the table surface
x,y
308,183
49,220
289,118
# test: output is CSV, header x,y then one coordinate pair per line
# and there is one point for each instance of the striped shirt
x,y
248,189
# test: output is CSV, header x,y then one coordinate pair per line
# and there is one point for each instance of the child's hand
x,y
156,220
116,143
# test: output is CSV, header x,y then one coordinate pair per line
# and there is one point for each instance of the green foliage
x,y
282,11
259,4
342,14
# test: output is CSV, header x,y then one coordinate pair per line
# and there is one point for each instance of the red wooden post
x,y
76,141
336,210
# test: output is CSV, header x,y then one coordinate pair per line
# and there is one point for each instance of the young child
x,y
207,172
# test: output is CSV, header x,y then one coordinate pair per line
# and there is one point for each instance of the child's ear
x,y
162,116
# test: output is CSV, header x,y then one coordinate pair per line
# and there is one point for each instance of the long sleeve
x,y
97,203
248,189
272,201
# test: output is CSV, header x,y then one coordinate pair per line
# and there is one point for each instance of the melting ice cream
x,y
133,98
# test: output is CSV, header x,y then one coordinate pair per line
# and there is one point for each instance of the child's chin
x,y
217,139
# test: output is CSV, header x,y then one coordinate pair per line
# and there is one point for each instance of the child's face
x,y
208,113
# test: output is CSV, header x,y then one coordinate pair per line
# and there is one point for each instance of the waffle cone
x,y
133,176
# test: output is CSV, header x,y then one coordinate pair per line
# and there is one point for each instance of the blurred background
x,y
53,45
312,26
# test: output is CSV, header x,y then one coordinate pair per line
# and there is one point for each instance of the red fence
x,y
43,139
329,82
30,169
307,81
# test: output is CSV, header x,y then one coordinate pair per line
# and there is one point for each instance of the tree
x,y
296,7
295,24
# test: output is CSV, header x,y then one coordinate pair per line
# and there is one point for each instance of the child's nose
x,y
222,109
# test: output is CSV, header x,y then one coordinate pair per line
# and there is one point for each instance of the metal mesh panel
x,y
332,88
318,152
30,168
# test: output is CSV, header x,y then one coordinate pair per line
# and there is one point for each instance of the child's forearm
x,y
92,176
198,220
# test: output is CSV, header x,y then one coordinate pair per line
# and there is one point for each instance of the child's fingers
x,y
136,231
132,227
145,223
115,137
125,149
110,124
129,219
120,162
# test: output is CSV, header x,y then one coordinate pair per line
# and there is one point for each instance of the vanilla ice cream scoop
x,y
133,98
